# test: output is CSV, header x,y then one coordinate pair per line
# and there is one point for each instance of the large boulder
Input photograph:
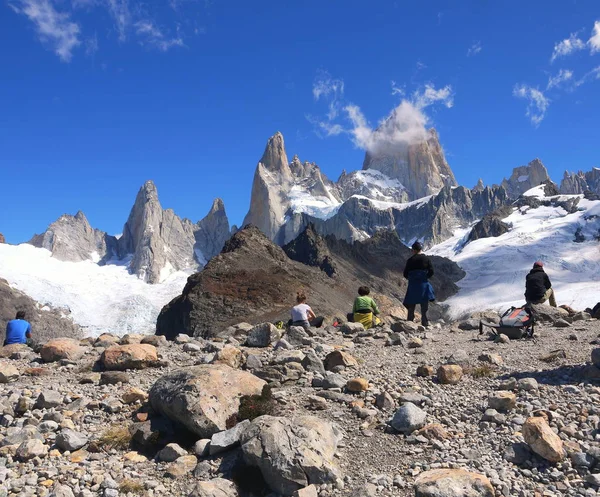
x,y
203,398
62,348
134,356
542,440
292,453
11,350
452,483
8,372
339,358
547,314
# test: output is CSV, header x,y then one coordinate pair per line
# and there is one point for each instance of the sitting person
x,y
303,315
18,330
365,309
538,288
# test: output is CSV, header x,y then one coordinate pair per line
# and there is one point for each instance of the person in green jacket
x,y
365,309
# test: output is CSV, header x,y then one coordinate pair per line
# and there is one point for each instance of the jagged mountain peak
x,y
274,158
524,178
217,206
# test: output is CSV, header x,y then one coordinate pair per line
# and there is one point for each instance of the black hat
x,y
417,247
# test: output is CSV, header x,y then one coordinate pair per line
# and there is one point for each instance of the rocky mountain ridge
x,y
154,243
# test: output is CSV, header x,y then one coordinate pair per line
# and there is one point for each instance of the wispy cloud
x,y
54,29
562,76
594,41
474,49
119,11
537,102
589,76
568,46
151,35
325,86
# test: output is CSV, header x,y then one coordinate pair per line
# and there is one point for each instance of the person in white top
x,y
303,315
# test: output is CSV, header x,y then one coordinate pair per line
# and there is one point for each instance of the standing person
x,y
365,309
303,315
538,288
18,330
417,271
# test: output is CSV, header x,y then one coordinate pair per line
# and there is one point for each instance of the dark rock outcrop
x,y
491,225
255,281
310,249
46,322
2,239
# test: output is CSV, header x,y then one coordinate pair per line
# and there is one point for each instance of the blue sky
x,y
96,96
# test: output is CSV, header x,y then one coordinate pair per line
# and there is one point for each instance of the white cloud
x,y
54,29
153,36
474,49
594,41
567,47
537,104
562,76
397,90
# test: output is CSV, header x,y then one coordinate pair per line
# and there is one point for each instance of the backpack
x,y
515,323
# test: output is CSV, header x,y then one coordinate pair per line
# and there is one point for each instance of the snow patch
x,y
522,179
496,267
99,298
302,201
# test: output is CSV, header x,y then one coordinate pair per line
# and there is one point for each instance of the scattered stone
x,y
385,401
263,335
8,372
357,385
61,348
501,338
452,483
414,343
425,370
30,449
449,374
12,350
225,440
48,399
408,418
502,400
134,395
114,377
229,355
312,363
218,487
404,327
517,453
542,440
339,358
459,357
554,356
70,440
201,447
133,356
494,359
528,385
562,323
182,466
350,328
171,452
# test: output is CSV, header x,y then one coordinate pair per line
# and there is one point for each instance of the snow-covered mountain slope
x,y
546,231
100,298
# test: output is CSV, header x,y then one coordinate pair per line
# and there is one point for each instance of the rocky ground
x,y
77,419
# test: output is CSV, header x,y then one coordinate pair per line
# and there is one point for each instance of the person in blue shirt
x,y
18,330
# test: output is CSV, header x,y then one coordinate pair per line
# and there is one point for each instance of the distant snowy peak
x,y
71,238
580,182
524,178
155,242
420,167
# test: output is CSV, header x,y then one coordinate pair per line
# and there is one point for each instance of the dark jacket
x,y
418,270
536,284
418,261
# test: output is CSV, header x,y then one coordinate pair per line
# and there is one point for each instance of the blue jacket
x,y
419,289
